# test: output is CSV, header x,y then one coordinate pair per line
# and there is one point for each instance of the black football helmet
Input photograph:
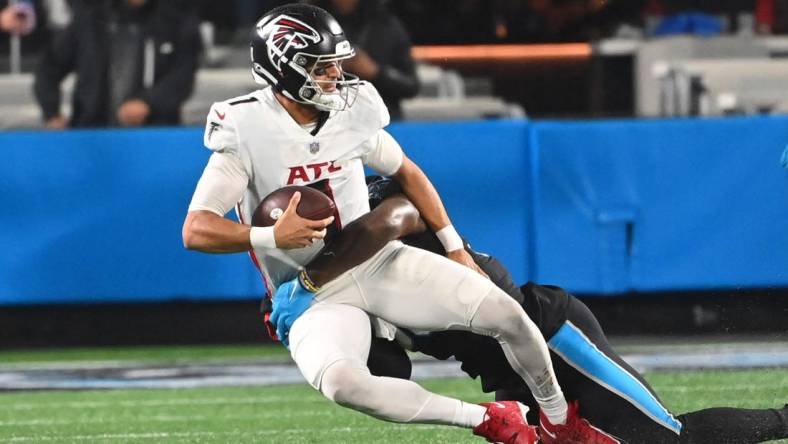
x,y
290,42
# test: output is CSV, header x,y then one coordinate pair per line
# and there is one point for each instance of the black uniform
x,y
613,396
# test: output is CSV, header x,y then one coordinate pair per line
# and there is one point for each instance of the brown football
x,y
314,205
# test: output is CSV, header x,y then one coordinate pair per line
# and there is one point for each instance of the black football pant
x,y
614,396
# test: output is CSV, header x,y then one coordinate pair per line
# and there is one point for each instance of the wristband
x,y
262,237
449,238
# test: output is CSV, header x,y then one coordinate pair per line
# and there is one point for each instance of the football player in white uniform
x,y
316,125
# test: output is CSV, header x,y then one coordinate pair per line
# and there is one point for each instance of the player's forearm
x,y
207,232
423,194
395,217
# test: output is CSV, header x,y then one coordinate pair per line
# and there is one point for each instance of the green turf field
x,y
295,413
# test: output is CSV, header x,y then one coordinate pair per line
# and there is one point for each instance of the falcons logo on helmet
x,y
285,33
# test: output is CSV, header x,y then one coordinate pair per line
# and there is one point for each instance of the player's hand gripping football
x,y
293,231
464,258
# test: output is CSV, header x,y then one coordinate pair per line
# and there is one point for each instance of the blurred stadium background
x,y
628,151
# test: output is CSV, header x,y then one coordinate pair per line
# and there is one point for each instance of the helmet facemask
x,y
326,95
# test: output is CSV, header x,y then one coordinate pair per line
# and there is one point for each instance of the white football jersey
x,y
276,151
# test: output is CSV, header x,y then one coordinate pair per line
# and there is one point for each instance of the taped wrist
x,y
449,238
262,237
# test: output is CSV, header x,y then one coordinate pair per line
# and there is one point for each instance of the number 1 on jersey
x,y
324,187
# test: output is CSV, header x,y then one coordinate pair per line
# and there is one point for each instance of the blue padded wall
x,y
95,216
661,204
597,207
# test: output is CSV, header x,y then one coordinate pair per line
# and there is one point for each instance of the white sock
x,y
464,414
554,408
469,415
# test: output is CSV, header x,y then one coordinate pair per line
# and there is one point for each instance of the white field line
x,y
157,402
60,422
160,418
164,435
140,363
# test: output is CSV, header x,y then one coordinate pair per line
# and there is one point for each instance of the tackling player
x,y
316,125
613,395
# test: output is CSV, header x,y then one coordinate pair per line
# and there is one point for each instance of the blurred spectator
x,y
58,13
19,24
40,17
18,18
382,49
135,63
771,16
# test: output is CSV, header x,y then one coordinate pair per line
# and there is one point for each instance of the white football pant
x,y
419,290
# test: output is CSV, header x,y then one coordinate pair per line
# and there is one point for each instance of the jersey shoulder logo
x,y
285,33
214,126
